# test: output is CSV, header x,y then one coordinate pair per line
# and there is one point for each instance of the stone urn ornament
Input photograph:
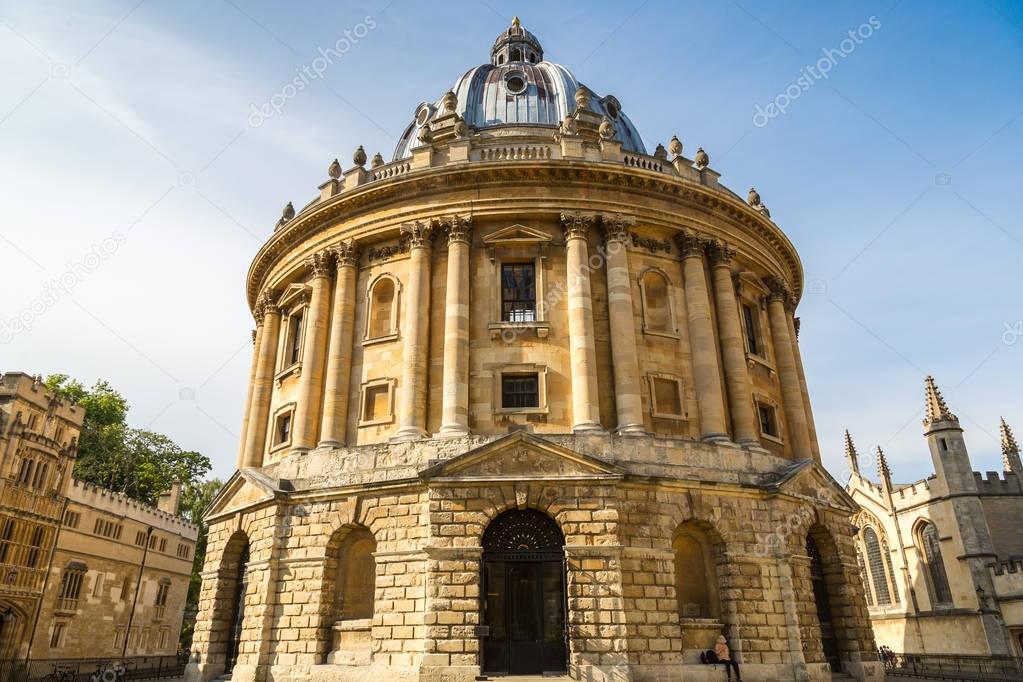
x,y
359,157
675,147
702,159
334,170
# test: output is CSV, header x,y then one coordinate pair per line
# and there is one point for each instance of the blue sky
x,y
130,173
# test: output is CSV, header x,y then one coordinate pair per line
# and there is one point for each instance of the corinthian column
x,y
583,355
815,447
314,350
628,394
412,399
733,352
455,408
791,390
256,334
262,384
339,354
706,371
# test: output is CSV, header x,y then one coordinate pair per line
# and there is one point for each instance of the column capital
x,y
689,243
719,252
254,335
320,263
346,254
418,233
458,228
576,224
777,289
266,304
616,227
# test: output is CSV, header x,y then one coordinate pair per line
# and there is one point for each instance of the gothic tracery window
x,y
877,567
931,548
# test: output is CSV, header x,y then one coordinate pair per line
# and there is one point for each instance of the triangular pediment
x,y
293,293
522,456
246,488
517,234
806,478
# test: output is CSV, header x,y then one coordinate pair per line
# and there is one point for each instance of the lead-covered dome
x,y
519,88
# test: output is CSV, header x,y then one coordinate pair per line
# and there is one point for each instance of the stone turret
x,y
1010,451
946,442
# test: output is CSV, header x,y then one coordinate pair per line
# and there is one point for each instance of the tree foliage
x,y
194,501
137,462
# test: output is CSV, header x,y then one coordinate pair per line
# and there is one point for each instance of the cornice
x,y
420,184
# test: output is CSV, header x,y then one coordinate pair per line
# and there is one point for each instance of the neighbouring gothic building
x,y
944,554
528,399
84,572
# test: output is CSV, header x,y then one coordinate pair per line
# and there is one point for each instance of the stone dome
x,y
519,88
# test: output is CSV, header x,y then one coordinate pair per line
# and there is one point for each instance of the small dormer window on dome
x,y
516,45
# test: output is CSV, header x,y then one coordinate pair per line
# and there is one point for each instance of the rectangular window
x,y
520,391
184,551
57,636
518,292
161,600
294,348
72,519
376,403
163,544
667,398
749,316
5,539
125,587
282,429
35,548
97,586
140,538
163,639
118,638
768,420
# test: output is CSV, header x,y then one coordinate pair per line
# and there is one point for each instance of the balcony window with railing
x,y
70,587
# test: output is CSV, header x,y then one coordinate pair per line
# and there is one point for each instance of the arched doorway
x,y
822,600
237,610
524,595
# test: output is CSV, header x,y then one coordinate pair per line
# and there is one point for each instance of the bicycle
x,y
116,672
61,673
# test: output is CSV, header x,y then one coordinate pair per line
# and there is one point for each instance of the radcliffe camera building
x,y
945,554
527,398
84,572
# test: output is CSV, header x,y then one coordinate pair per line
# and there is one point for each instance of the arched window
x,y
516,56
356,580
891,571
383,308
931,548
696,586
877,567
656,293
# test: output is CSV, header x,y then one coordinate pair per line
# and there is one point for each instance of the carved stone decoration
x,y
425,135
379,253
334,170
576,225
777,289
458,228
359,157
320,263
378,160
582,97
702,159
753,198
567,128
267,303
795,325
449,102
689,243
346,254
675,147
616,227
650,244
661,153
419,234
461,128
719,252
253,337
607,130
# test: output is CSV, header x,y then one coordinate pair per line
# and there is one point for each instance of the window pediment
x,y
294,293
517,235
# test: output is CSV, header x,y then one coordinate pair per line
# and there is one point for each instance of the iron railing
x,y
954,666
82,669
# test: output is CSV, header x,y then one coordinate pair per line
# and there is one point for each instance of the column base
x,y
329,444
588,427
631,430
452,431
714,437
408,433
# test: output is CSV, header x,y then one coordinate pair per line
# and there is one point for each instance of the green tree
x,y
194,501
139,463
